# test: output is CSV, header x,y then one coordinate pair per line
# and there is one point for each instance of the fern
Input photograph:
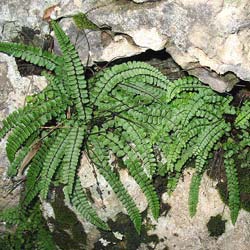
x,y
71,158
100,158
80,202
232,180
152,125
194,193
31,54
30,230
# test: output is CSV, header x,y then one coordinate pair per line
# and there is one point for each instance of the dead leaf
x,y
48,11
34,148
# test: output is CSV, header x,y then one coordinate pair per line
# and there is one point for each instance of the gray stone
x,y
197,34
14,89
177,230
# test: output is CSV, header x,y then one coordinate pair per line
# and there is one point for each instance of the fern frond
x,y
134,134
11,215
71,159
181,140
184,84
30,54
232,181
99,156
73,73
194,192
16,164
11,121
210,136
45,240
119,74
135,169
243,118
31,122
80,202
53,159
33,177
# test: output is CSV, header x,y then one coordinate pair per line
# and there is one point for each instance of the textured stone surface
x,y
210,34
14,89
179,231
213,34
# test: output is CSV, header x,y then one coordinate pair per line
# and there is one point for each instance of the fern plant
x,y
30,232
130,110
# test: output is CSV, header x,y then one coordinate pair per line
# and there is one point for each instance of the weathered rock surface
x,y
179,231
13,90
175,228
213,35
206,37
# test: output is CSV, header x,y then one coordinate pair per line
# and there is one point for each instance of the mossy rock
x,y
216,225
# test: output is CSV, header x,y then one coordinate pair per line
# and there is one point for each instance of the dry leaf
x,y
47,13
29,156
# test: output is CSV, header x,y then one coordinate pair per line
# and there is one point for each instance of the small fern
x,y
31,231
130,110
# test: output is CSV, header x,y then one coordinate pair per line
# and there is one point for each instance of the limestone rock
x,y
14,89
177,230
213,34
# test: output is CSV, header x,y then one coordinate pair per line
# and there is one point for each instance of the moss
x,y
131,239
69,233
216,226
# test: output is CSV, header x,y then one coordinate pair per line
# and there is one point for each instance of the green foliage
x,y
30,231
132,111
82,22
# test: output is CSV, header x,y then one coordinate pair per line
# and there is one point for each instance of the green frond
x,y
119,74
181,140
120,146
11,215
71,159
99,156
45,240
80,202
155,115
52,160
11,121
243,118
210,135
31,122
232,181
33,177
193,198
73,73
30,54
134,134
184,84
16,164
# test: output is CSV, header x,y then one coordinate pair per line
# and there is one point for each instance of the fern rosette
x,y
130,110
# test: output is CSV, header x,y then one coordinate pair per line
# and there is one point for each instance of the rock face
x,y
207,38
14,89
178,230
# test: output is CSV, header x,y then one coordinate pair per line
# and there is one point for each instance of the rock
x,y
210,37
177,230
142,1
14,89
105,200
